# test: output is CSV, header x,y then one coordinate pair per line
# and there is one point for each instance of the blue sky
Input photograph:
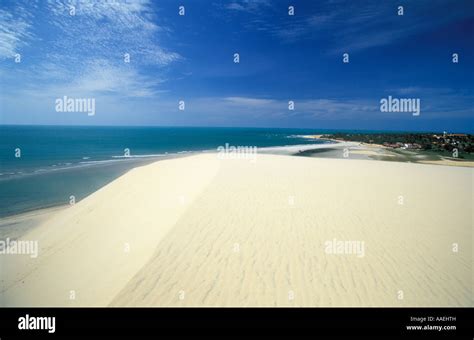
x,y
282,58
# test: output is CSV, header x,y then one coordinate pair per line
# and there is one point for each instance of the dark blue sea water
x,y
59,161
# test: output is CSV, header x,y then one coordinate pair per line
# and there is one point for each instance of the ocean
x,y
43,166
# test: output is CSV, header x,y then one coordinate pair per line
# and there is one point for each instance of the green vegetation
x,y
447,145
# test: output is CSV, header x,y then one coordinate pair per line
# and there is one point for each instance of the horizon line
x,y
238,127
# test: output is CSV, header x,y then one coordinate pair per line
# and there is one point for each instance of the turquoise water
x,y
57,161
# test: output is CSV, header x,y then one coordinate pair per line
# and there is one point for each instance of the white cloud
x,y
108,29
14,32
246,101
98,78
248,5
84,52
103,78
247,109
351,26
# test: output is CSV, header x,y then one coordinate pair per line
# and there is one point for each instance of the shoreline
x,y
77,176
381,152
125,164
138,159
334,149
17,225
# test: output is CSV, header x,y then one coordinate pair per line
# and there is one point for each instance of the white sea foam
x,y
140,156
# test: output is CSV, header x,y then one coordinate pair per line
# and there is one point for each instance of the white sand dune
x,y
96,246
210,232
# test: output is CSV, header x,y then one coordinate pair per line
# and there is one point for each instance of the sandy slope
x,y
211,232
96,246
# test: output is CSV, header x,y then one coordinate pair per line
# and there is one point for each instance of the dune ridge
x,y
95,247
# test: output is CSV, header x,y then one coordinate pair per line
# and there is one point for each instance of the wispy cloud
x,y
245,110
110,29
247,5
252,110
86,46
246,101
439,101
101,78
15,31
311,108
354,26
